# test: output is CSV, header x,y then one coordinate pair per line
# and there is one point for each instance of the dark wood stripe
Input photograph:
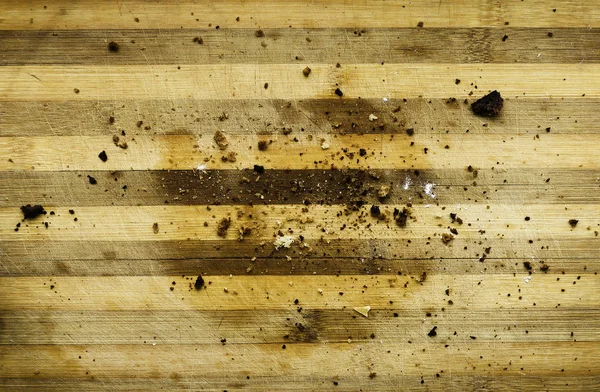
x,y
276,264
301,46
282,326
188,116
238,187
357,256
292,381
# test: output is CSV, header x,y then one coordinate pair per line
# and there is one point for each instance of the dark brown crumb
x,y
221,140
375,210
527,265
92,180
433,332
401,217
259,169
259,33
263,145
550,34
410,131
111,120
198,40
76,90
544,268
420,24
199,283
266,86
113,46
504,38
155,228
573,222
137,20
372,375
103,157
457,81
362,152
338,92
118,142
71,212
446,238
223,227
230,157
139,124
306,71
489,105
30,212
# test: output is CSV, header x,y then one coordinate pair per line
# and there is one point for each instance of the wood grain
x,y
98,294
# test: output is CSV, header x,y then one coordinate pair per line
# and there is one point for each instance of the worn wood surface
x,y
101,299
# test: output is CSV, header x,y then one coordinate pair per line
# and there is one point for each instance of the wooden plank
x,y
58,261
262,293
188,152
321,325
314,223
95,14
525,116
185,187
285,45
286,81
335,361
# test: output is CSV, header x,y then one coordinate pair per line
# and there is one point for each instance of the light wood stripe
x,y
281,326
383,152
286,81
475,292
63,14
326,222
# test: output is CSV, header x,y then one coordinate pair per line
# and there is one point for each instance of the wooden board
x,y
98,294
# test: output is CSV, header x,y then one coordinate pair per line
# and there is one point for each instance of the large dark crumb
x,y
573,222
92,180
306,71
263,145
489,105
199,283
113,46
447,237
527,265
338,92
103,156
375,210
401,216
221,140
223,227
544,268
259,33
433,332
259,169
30,212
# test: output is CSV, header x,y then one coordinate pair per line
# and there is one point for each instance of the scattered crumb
x,y
263,145
113,46
198,40
155,228
221,140
364,310
306,71
573,222
103,157
383,191
92,180
31,212
199,283
446,238
401,217
284,241
420,24
433,332
338,92
489,105
223,227
259,33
